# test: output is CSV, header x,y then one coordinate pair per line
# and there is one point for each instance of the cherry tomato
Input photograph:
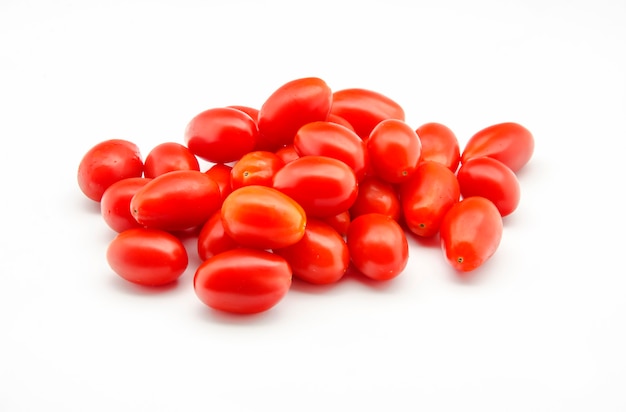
x,y
148,257
220,173
490,178
378,246
177,200
323,186
510,143
255,168
394,150
106,163
320,257
364,109
376,196
339,120
115,203
289,107
427,196
287,153
470,233
221,134
213,239
167,157
250,111
262,217
324,138
340,222
439,144
243,281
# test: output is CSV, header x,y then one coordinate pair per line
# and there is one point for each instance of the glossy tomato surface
x,y
340,222
169,156
220,173
439,144
376,196
213,239
255,168
115,203
394,150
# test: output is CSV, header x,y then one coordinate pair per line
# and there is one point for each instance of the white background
x,y
540,327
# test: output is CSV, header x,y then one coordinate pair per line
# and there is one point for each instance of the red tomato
x,y
340,222
244,281
320,257
376,196
250,111
115,203
510,143
339,120
106,163
213,239
364,109
439,144
220,172
378,246
323,186
221,134
394,150
287,153
177,200
289,107
148,257
490,178
427,196
262,217
167,157
470,233
255,168
329,139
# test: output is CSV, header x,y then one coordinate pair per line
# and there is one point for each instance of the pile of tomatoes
x,y
312,184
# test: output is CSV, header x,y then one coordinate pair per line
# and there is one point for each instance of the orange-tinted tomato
x,y
394,150
439,144
376,196
115,203
255,168
167,157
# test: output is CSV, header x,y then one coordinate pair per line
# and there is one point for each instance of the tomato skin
x,y
333,118
490,178
439,144
250,111
220,173
243,281
213,239
261,217
289,107
470,233
394,150
221,134
167,157
321,257
376,196
509,142
340,222
148,257
176,201
115,203
255,168
106,163
378,246
427,196
323,186
364,109
287,153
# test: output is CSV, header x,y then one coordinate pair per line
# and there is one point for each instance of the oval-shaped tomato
x,y
439,144
221,134
509,142
490,178
213,239
427,196
176,201
364,109
220,173
243,281
339,120
106,163
470,233
329,139
287,153
250,111
378,246
261,217
115,203
148,257
167,157
340,222
394,150
321,257
289,107
323,186
376,196
255,168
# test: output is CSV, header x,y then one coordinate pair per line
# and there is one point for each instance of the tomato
x,y
324,138
470,233
167,157
243,281
221,134
340,222
250,111
287,153
427,196
490,178
106,163
320,257
177,200
439,144
394,150
148,257
255,168
333,118
364,109
213,239
220,173
289,107
262,217
376,196
323,186
378,246
510,143
115,203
